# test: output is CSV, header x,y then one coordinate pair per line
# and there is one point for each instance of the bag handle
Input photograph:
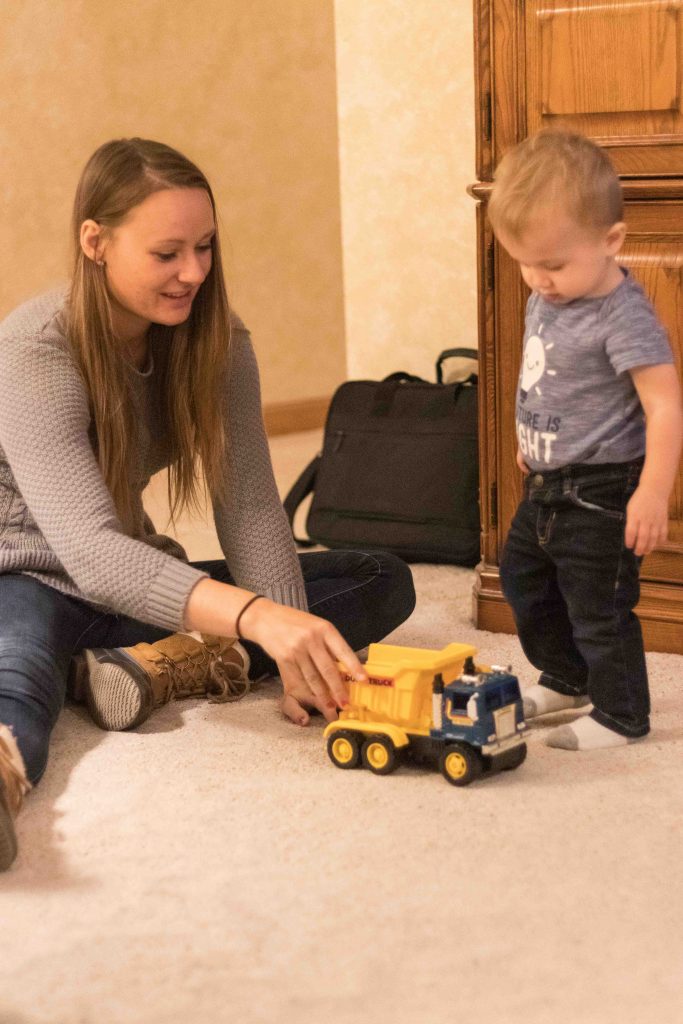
x,y
402,376
449,353
300,489
386,389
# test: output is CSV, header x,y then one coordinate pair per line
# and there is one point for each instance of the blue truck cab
x,y
481,710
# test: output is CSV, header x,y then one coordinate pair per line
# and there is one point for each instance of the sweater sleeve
x,y
251,524
44,423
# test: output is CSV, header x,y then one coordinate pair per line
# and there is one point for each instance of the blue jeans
x,y
573,584
365,595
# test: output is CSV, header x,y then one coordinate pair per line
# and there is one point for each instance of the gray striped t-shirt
x,y
576,402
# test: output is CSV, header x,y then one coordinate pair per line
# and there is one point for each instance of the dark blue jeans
x,y
365,595
573,584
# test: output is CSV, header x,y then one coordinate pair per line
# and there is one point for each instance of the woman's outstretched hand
x,y
306,649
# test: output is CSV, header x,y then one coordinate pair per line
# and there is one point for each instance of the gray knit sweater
x,y
57,519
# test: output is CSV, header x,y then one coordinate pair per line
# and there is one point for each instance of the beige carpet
x,y
215,867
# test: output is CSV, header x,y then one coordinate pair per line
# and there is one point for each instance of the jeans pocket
x,y
604,496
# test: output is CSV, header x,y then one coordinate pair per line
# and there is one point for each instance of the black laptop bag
x,y
398,469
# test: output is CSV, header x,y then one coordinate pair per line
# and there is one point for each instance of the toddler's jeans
x,y
573,584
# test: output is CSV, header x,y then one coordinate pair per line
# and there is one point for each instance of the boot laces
x,y
223,686
199,669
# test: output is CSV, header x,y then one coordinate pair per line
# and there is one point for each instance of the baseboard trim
x,y
289,417
660,610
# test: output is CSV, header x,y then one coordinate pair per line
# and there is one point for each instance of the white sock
x,y
540,700
586,734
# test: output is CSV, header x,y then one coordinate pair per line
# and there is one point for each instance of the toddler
x,y
598,419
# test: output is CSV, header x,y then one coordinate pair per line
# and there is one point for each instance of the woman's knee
x,y
353,587
390,592
399,588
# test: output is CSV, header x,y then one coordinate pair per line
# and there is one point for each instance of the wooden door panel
x,y
635,54
611,70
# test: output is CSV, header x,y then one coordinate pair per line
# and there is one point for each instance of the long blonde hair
x,y
194,357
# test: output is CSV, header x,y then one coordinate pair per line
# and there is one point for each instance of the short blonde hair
x,y
551,169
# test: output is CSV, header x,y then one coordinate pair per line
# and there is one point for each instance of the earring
x,y
100,263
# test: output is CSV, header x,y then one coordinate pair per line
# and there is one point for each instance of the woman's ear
x,y
92,241
615,237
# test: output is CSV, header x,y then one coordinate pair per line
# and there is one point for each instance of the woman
x,y
142,365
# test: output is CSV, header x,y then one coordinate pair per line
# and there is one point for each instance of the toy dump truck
x,y
436,704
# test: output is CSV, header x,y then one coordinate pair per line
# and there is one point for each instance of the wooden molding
x,y
301,414
650,189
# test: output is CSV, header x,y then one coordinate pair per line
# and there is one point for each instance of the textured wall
x,y
247,90
406,128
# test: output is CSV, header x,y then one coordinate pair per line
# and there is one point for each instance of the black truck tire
x,y
343,748
515,758
379,755
460,764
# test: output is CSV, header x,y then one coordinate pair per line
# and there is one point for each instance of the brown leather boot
x,y
122,685
13,786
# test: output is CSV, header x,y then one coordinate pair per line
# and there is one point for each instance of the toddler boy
x,y
599,426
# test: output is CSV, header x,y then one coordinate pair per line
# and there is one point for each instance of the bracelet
x,y
247,605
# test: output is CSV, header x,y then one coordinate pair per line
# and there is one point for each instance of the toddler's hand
x,y
521,463
647,521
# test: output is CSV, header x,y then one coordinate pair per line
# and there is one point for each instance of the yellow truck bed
x,y
399,687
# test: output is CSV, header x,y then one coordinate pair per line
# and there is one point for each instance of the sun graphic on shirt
x,y
533,364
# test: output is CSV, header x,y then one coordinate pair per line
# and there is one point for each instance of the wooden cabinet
x,y
610,69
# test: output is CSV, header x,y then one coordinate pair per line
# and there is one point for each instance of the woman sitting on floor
x,y
138,366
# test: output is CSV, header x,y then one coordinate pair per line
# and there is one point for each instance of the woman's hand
x,y
306,649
